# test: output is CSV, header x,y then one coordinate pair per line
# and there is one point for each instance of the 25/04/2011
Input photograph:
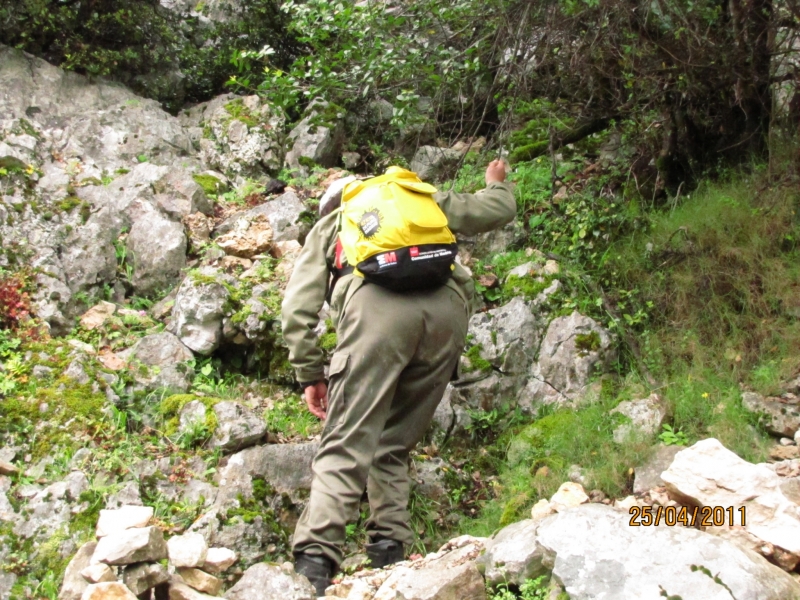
x,y
704,516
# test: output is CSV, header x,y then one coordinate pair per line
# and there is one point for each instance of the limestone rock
x,y
97,315
646,415
238,427
569,495
512,555
198,311
451,574
648,475
98,573
202,582
573,348
257,324
708,474
219,560
782,417
285,467
243,136
158,247
87,254
144,576
74,584
165,356
249,540
187,550
435,164
51,508
6,468
317,138
131,546
541,509
179,195
180,591
107,591
595,554
7,581
248,238
271,582
283,214
429,476
126,517
509,336
486,394
784,452
196,491
499,240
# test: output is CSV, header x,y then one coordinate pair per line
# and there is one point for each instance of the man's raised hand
x,y
496,172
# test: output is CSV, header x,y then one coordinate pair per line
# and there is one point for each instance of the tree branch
x,y
559,139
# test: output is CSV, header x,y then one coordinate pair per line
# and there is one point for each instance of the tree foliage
x,y
692,79
171,54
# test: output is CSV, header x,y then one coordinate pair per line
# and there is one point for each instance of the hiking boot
x,y
384,552
318,570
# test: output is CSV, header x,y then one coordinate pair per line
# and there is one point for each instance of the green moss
x,y
91,181
69,203
527,287
27,128
328,341
239,112
587,342
306,162
171,407
529,151
262,490
240,316
203,279
476,361
210,184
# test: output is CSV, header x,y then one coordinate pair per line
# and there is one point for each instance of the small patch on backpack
x,y
370,223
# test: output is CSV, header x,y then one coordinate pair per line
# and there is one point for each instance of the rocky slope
x,y
156,245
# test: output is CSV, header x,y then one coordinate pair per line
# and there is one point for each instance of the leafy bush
x,y
139,41
357,52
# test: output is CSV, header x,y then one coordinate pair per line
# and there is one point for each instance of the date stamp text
x,y
702,516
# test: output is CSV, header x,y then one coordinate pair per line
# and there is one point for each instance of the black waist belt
x,y
348,270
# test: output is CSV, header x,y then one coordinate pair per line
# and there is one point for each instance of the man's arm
x,y
493,207
303,299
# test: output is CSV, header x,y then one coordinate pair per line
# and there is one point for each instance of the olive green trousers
x,y
396,353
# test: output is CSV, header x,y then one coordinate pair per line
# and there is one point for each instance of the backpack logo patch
x,y
370,223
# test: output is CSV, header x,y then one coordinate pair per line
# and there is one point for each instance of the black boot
x,y
384,552
318,570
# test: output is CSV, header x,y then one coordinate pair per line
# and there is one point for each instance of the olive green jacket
x,y
467,214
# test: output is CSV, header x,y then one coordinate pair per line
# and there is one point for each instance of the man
x,y
395,354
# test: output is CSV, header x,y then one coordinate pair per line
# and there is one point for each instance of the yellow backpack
x,y
394,234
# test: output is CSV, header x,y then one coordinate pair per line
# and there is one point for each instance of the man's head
x,y
332,198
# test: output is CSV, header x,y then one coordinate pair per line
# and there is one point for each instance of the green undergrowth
x,y
290,418
722,274
708,293
539,457
531,589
